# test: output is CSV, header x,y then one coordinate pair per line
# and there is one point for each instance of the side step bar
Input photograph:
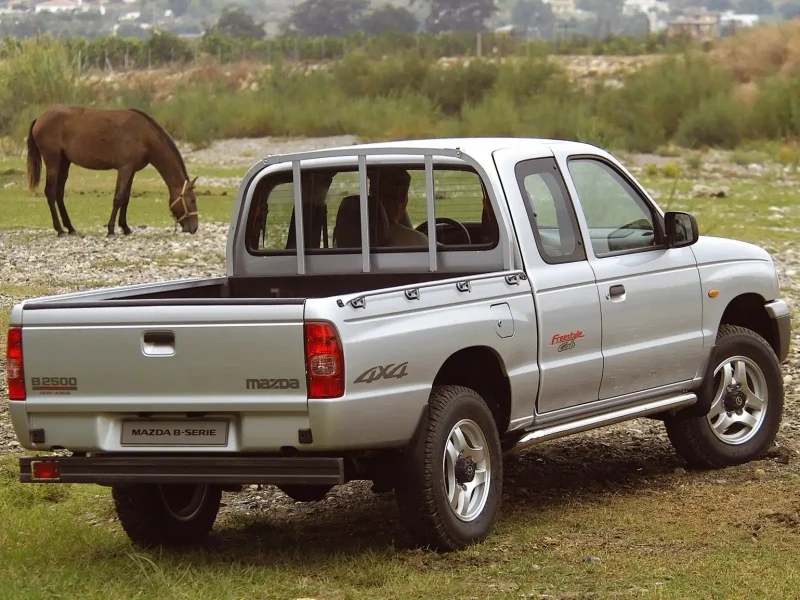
x,y
556,431
108,470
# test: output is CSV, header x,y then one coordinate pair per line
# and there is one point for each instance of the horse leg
x,y
51,191
63,173
124,177
123,213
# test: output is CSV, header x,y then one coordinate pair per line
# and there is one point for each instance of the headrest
x,y
347,231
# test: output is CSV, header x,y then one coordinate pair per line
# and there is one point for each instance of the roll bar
x,y
299,159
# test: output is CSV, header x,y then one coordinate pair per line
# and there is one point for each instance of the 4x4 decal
x,y
390,371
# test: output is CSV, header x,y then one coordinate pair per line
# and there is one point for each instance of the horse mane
x,y
164,136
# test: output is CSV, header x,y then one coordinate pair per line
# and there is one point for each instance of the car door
x,y
565,294
650,295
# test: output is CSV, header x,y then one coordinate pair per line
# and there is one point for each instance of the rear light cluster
x,y
324,361
14,371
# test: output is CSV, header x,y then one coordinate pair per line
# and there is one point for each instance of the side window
x,y
618,218
550,211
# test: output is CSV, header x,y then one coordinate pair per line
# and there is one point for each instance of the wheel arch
x,y
749,311
482,369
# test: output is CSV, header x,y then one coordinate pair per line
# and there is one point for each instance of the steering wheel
x,y
423,227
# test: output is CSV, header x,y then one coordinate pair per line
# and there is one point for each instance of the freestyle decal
x,y
566,341
390,371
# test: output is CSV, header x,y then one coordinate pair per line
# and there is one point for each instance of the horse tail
x,y
34,161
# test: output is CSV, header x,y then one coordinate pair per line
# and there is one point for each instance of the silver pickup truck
x,y
403,313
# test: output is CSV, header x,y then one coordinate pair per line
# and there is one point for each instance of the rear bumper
x,y
778,310
113,470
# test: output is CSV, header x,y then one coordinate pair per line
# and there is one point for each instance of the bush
x,y
694,161
715,122
671,170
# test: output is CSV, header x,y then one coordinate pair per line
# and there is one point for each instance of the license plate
x,y
158,432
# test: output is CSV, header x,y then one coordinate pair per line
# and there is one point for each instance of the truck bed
x,y
105,367
224,289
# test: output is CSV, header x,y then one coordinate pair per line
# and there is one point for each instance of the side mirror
x,y
681,229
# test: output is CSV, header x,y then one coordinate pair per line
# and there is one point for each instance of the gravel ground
x,y
622,455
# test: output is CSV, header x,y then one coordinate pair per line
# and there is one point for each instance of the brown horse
x,y
126,140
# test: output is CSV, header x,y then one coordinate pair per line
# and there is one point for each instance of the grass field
x,y
600,515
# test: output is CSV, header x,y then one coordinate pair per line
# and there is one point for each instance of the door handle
x,y
158,343
616,292
159,338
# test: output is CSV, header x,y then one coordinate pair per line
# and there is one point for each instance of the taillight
x,y
14,371
46,469
324,361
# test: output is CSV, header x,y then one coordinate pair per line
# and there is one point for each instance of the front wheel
x,y
746,404
452,478
166,515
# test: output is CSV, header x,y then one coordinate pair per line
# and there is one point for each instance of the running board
x,y
616,416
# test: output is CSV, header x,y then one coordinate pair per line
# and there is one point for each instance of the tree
x,y
389,18
179,7
235,22
790,9
533,16
716,5
326,17
758,7
458,15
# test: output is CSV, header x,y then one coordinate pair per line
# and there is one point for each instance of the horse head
x,y
184,207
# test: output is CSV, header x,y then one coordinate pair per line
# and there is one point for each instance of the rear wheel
x,y
451,485
746,404
167,515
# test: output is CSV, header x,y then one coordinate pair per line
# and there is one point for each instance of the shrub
x,y
715,122
694,161
651,169
671,170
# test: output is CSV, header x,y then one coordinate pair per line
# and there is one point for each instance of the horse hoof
x,y
73,232
61,234
110,234
127,231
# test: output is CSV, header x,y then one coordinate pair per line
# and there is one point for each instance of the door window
x,y
550,210
618,218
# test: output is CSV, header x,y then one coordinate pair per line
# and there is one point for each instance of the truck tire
x,y
745,399
166,515
454,458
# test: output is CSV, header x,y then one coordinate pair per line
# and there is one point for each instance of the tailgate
x,y
98,367
147,358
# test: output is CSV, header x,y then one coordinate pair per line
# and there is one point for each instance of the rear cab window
x,y
397,216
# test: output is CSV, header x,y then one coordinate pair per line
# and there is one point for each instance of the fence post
x,y
480,45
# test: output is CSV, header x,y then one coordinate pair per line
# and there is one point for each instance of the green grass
x,y
757,211
89,195
749,213
666,536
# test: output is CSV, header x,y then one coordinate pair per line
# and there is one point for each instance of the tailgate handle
x,y
158,343
159,338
